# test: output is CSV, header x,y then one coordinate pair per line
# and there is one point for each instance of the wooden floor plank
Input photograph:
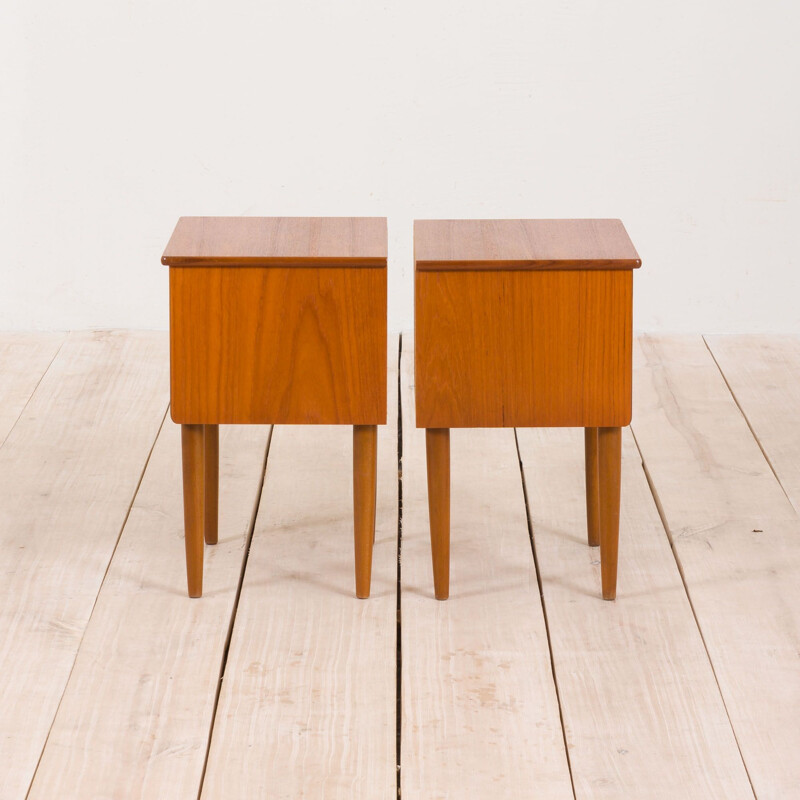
x,y
136,715
704,429
763,372
480,716
307,704
641,706
737,540
24,358
307,707
69,470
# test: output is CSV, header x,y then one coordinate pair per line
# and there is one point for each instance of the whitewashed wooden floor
x,y
280,684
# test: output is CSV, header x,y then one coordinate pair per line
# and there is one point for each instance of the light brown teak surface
x,y
278,320
277,242
523,348
278,345
500,244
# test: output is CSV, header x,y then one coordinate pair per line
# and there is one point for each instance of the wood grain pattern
x,y
278,345
523,348
278,242
502,244
480,715
24,358
307,707
136,715
737,539
642,712
69,470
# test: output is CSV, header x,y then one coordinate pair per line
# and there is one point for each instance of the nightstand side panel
x,y
283,345
523,348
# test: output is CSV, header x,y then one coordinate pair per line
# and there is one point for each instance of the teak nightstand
x,y
276,320
525,323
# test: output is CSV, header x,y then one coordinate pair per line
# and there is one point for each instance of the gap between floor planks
x,y
480,716
24,361
622,578
308,700
637,691
151,657
735,534
96,410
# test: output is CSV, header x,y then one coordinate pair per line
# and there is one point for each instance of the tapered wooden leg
x,y
592,486
610,458
365,482
437,447
211,483
193,473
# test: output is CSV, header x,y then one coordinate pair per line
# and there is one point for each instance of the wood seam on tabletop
x,y
232,621
33,392
544,614
94,605
668,534
749,424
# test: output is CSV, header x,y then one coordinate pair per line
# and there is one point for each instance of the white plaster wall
x,y
682,118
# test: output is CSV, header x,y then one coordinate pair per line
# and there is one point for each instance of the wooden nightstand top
x,y
277,242
523,244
